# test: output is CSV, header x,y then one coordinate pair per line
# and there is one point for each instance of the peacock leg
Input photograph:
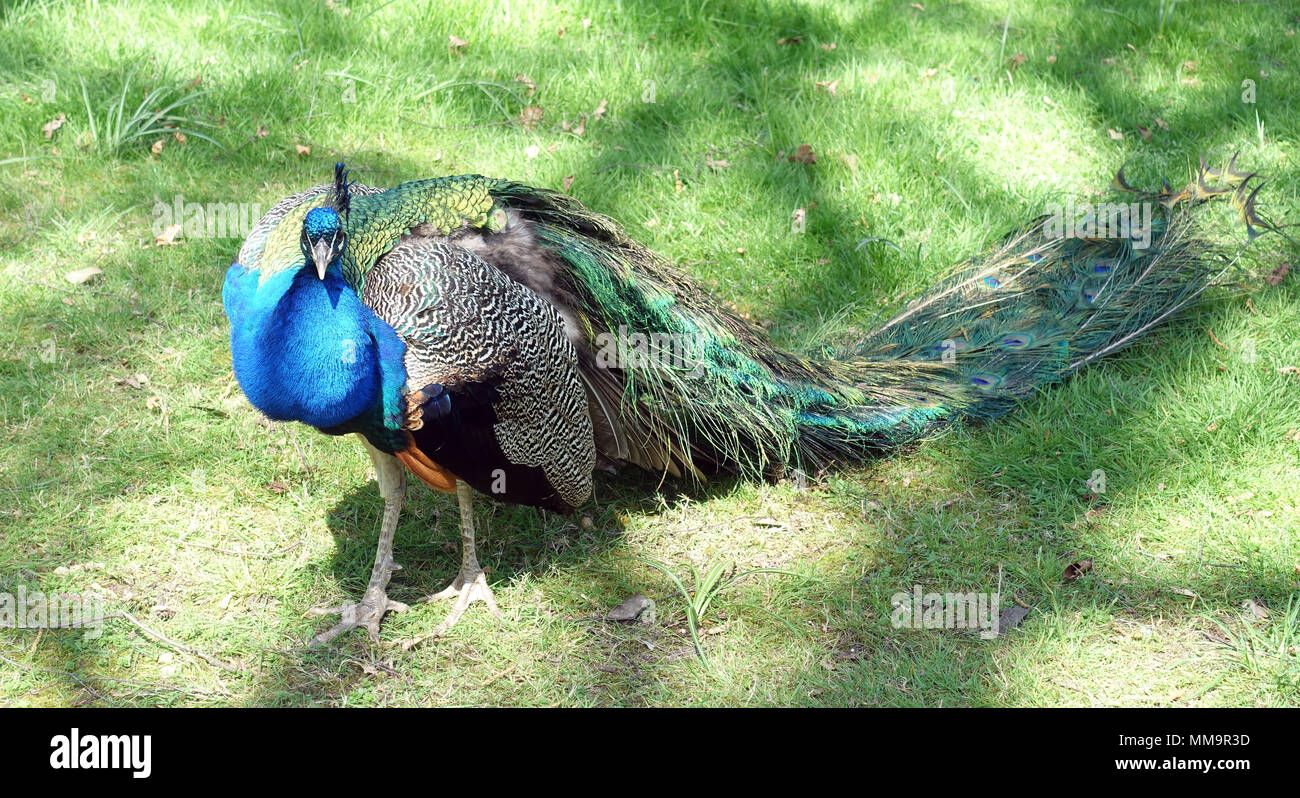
x,y
470,584
370,610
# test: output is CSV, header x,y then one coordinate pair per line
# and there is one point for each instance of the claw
x,y
367,612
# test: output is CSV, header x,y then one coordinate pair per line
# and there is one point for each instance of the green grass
x,y
220,531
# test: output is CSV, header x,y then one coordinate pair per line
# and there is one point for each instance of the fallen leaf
x,y
302,149
599,112
1017,59
153,402
716,165
1276,276
1193,82
527,81
917,6
559,34
850,160
1051,59
1144,133
566,182
262,132
827,46
1076,569
1212,427
82,275
1190,66
157,147
1182,591
1108,61
168,236
1289,370
790,40
54,124
1160,123
456,43
277,487
1256,607
180,137
830,86
1115,134
804,154
927,74
530,116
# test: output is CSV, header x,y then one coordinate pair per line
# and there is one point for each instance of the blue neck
x,y
306,349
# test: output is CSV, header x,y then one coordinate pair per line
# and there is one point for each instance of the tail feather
x,y
1043,304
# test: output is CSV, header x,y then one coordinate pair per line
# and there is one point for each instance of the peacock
x,y
487,336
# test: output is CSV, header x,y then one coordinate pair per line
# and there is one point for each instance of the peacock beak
x,y
321,254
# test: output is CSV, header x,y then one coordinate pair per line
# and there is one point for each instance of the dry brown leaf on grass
x,y
1144,133
530,116
168,236
790,40
1016,60
180,137
82,275
456,44
1256,608
716,164
157,147
829,86
1115,134
302,149
804,154
567,182
1076,569
54,124
527,81
1276,276
262,132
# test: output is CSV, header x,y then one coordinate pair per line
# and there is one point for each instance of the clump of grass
x,y
1269,651
115,128
720,576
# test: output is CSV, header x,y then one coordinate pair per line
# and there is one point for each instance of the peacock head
x,y
323,237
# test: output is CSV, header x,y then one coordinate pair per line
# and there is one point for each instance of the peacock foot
x,y
466,592
367,612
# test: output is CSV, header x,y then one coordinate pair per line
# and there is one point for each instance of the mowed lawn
x,y
131,466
